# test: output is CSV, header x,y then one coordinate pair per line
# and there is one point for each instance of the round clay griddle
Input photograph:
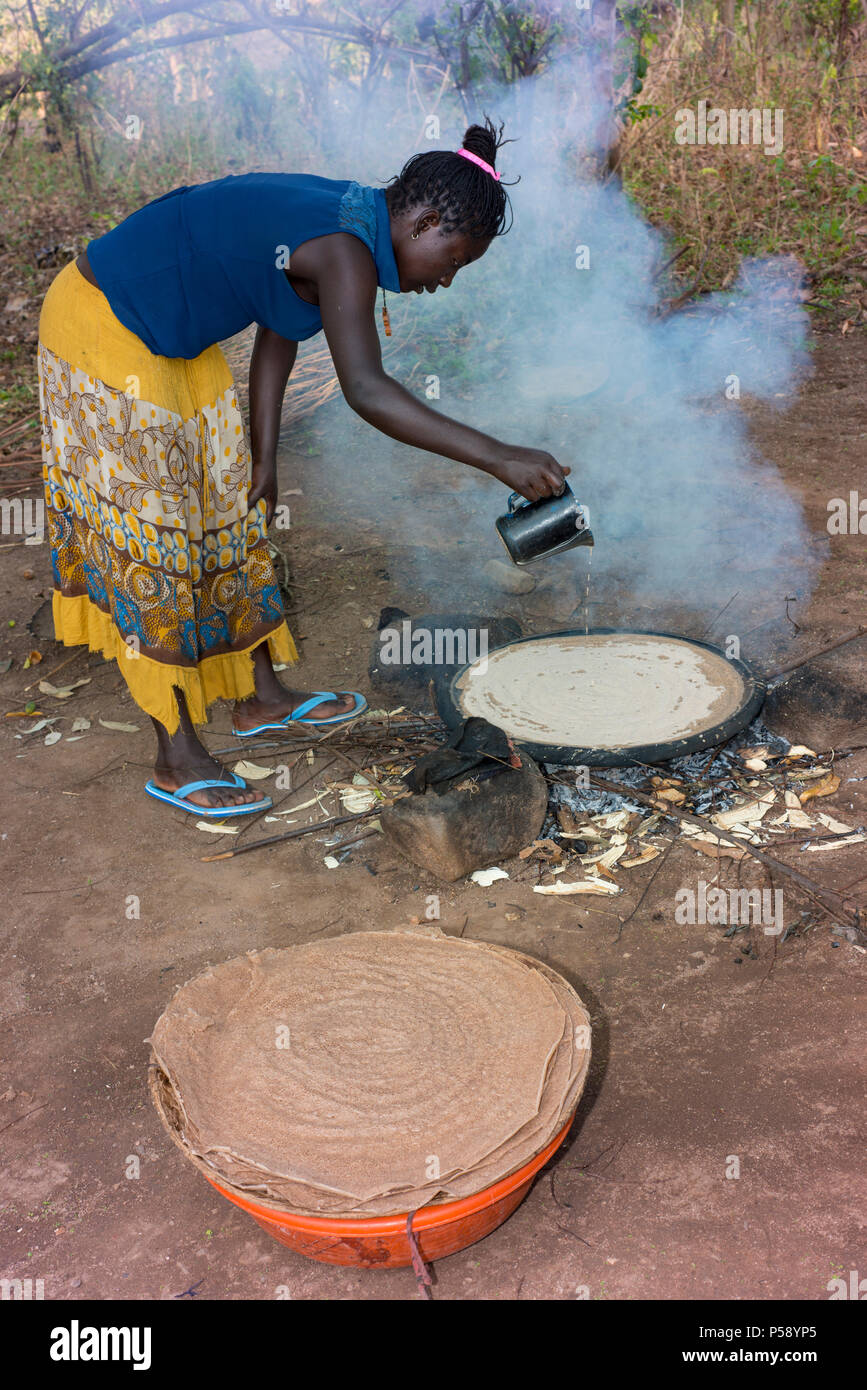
x,y
606,698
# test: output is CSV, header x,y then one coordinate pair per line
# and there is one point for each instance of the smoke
x,y
563,344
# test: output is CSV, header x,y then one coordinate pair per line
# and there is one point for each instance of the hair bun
x,y
484,140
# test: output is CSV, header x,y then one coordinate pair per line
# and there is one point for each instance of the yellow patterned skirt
x,y
157,561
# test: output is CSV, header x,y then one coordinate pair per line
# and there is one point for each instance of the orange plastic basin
x,y
379,1242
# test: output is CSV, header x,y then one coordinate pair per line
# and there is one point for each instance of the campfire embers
x,y
758,790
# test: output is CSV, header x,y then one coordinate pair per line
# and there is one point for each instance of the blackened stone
x,y
472,826
454,639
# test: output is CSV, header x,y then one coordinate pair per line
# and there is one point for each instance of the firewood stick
x,y
26,421
831,900
289,835
832,646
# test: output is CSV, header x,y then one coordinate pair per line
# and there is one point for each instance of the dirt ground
x,y
704,1048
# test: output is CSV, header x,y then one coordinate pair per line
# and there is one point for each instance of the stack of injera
x,y
369,1074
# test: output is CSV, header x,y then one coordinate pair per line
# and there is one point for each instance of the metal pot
x,y
534,530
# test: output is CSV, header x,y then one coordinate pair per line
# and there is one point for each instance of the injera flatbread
x,y
403,1047
605,690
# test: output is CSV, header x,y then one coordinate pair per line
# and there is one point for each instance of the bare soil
x,y
706,1048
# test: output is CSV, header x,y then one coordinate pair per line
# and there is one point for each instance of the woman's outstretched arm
x,y
347,297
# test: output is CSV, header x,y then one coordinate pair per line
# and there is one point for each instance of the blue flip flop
x,y
216,812
297,715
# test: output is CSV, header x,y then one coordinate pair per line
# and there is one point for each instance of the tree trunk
x,y
727,31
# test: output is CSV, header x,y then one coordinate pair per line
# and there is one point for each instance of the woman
x,y
157,507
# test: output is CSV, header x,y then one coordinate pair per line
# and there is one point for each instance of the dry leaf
x,y
568,823
672,795
586,832
798,750
32,659
79,725
251,772
546,849
747,814
799,819
586,885
361,796
647,853
290,810
54,737
757,750
216,827
607,858
720,851
836,825
756,764
602,871
826,787
62,692
485,877
119,728
792,800
837,844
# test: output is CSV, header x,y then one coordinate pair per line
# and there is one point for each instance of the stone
x,y
478,822
509,577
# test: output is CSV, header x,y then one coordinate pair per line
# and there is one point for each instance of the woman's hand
x,y
531,472
263,483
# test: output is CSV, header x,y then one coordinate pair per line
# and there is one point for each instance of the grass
x,y
719,203
724,202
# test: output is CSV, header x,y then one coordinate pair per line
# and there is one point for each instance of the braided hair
x,y
467,198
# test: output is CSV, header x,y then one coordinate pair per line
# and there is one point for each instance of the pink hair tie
x,y
488,168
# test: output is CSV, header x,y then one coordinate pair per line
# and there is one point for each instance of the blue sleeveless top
x,y
202,262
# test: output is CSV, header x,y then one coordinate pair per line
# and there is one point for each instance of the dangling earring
x,y
386,321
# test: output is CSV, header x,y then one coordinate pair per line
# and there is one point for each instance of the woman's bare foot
x,y
183,758
272,701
